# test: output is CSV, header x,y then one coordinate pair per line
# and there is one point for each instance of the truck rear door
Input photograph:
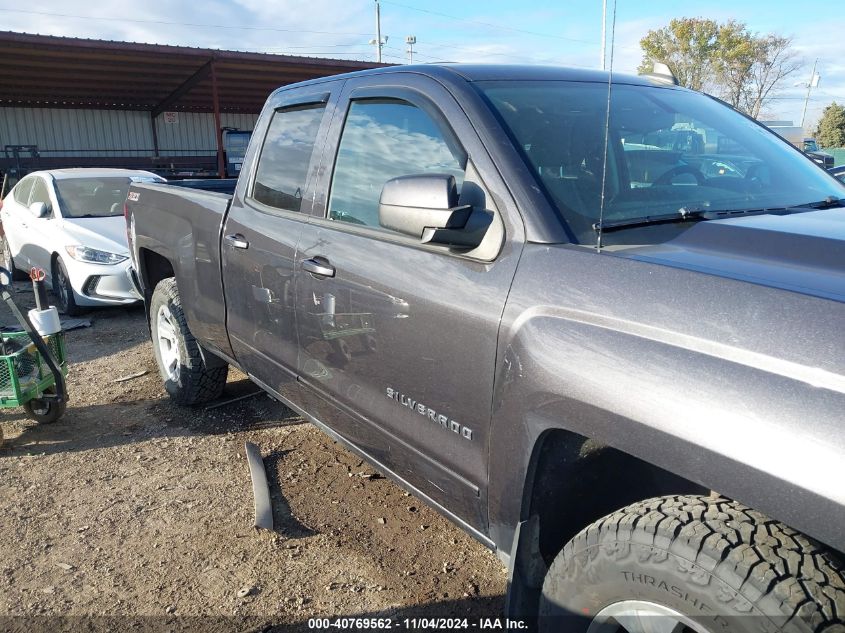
x,y
397,338
261,231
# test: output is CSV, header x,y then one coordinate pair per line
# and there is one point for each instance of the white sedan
x,y
70,223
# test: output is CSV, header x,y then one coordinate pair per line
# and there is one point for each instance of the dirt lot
x,y
130,507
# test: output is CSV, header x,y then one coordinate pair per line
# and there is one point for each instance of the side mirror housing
x,y
39,209
426,206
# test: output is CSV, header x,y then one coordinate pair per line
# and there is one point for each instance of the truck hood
x,y
802,252
105,234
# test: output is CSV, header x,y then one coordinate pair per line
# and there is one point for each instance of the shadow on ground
x,y
120,423
478,611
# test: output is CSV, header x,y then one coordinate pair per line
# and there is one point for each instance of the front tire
x,y
693,564
190,376
64,291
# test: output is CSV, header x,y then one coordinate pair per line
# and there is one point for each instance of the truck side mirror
x,y
39,209
426,206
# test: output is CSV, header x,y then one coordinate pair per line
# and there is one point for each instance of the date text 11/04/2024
x,y
417,624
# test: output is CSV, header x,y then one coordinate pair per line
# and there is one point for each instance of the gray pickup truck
x,y
620,366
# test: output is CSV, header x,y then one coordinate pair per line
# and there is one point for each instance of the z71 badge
x,y
438,418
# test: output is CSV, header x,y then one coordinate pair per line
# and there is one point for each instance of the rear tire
x,y
64,291
693,564
191,376
9,261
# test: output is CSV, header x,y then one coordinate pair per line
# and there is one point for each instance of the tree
x,y
727,60
831,128
734,56
687,46
775,61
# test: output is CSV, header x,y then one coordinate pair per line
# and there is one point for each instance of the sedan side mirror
x,y
426,206
39,209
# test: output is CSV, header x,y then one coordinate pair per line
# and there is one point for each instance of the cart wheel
x,y
44,411
342,352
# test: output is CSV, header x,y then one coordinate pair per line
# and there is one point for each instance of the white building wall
x,y
72,132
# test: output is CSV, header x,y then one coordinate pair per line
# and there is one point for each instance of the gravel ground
x,y
132,510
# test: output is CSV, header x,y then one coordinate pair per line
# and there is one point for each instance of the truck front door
x,y
261,231
399,338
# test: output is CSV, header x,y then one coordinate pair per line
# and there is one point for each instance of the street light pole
x,y
410,41
378,41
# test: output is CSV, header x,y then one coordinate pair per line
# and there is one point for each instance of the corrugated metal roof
x,y
65,72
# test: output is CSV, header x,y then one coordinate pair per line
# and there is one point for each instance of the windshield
x,y
95,197
667,149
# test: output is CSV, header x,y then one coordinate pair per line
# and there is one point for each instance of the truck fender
x,y
715,419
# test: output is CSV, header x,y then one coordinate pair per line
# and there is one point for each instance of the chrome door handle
x,y
318,266
237,241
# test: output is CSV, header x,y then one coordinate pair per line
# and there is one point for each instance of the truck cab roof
x,y
451,72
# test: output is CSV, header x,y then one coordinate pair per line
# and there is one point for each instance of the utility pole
x,y
814,82
410,41
603,32
378,41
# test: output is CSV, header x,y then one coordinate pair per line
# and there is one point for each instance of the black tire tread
x,y
71,309
202,383
773,566
56,411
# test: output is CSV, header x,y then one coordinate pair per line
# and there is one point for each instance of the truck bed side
x,y
176,230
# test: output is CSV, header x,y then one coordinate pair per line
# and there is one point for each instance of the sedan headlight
x,y
94,256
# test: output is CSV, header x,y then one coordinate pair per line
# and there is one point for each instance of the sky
x,y
562,32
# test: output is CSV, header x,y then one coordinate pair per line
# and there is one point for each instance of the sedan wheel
x,y
64,291
8,260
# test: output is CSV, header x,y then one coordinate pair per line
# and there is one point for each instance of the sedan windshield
x,y
94,197
668,151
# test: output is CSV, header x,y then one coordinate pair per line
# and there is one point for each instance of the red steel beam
x,y
218,128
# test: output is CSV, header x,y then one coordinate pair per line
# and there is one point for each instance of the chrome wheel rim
x,y
639,616
168,343
61,282
7,255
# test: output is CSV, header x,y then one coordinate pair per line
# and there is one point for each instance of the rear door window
x,y
282,174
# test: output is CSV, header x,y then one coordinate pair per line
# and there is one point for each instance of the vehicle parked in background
x,y
235,143
70,223
602,332
838,172
812,149
794,134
